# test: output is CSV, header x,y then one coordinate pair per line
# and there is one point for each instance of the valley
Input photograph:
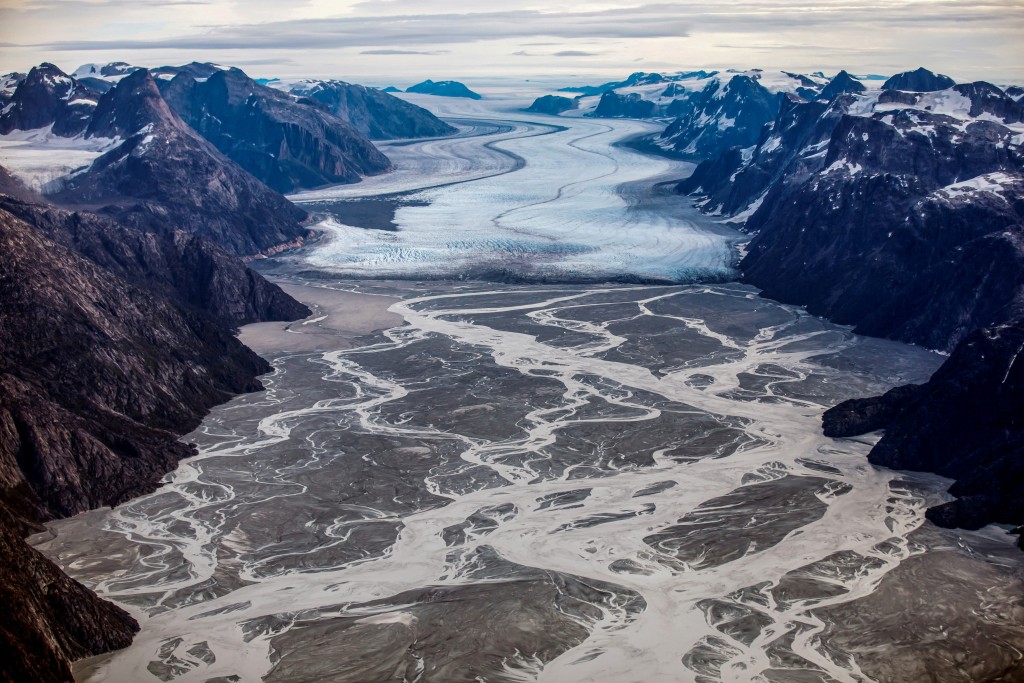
x,y
537,431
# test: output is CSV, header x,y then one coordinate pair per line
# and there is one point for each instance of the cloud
x,y
403,52
575,53
658,20
413,29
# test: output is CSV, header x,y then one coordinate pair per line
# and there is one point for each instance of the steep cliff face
x,y
899,213
187,268
285,143
49,619
99,376
97,380
372,112
165,176
965,423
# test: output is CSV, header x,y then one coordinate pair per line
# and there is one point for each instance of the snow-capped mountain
x,y
48,97
129,155
731,111
895,211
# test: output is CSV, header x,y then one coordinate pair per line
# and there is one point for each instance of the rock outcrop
x,y
965,423
552,104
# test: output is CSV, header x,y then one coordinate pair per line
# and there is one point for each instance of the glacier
x,y
580,207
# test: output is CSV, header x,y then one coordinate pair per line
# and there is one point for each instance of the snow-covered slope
x,y
895,211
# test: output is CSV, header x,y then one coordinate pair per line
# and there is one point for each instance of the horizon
x,y
401,42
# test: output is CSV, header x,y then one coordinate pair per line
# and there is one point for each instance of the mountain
x,y
638,78
8,84
372,112
443,89
391,89
842,83
48,97
726,113
98,379
189,269
552,104
165,176
919,80
965,423
285,143
102,77
899,213
632,105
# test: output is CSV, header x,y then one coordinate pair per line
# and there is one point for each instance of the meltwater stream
x,y
561,483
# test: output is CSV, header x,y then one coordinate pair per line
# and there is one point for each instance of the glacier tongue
x,y
526,197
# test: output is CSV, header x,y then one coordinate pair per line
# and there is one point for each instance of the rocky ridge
x,y
374,113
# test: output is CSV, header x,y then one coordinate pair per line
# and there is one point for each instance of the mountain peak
x,y
919,80
131,105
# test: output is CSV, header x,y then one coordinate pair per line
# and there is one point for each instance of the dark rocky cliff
x,y
100,376
190,269
285,143
614,105
49,619
966,423
97,380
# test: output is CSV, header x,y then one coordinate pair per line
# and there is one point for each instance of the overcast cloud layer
x,y
402,41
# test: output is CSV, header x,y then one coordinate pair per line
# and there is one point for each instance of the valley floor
x,y
460,481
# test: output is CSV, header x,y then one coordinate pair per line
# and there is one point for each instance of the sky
x,y
399,42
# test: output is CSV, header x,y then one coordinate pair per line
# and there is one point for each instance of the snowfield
x,y
524,196
38,157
